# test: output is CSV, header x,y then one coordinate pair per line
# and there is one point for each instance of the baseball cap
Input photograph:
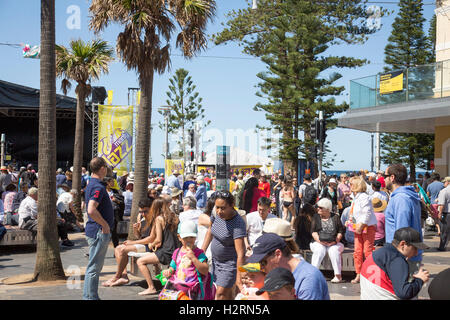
x,y
411,236
265,244
276,279
187,228
332,180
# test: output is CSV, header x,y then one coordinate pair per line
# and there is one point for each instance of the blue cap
x,y
264,245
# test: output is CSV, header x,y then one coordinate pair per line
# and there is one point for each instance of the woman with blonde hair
x,y
362,221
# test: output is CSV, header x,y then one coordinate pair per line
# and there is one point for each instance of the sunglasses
x,y
222,195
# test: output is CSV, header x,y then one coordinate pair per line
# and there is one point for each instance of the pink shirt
x,y
379,234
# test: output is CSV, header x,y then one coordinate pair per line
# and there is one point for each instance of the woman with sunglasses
x,y
226,235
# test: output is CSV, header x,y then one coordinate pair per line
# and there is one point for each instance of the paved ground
x,y
17,265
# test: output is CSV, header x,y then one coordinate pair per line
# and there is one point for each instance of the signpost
x,y
222,168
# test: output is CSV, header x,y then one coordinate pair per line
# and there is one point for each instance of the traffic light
x,y
9,147
191,138
323,131
192,155
203,156
314,129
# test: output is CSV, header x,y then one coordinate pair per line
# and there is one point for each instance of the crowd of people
x,y
249,241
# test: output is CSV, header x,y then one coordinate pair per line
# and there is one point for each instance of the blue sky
x,y
227,86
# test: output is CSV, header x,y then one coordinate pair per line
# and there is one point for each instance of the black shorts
x,y
287,204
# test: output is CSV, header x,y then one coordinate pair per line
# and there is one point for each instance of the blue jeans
x,y
97,253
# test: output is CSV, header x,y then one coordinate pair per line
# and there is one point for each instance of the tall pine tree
x,y
292,38
409,47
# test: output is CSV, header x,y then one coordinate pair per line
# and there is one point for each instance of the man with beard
x,y
403,209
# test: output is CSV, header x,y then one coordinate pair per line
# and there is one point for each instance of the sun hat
x,y
250,267
379,205
176,192
130,177
325,203
159,187
280,227
446,179
166,190
265,244
411,236
3,168
187,228
332,180
277,279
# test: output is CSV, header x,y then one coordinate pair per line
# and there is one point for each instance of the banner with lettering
x,y
115,136
172,165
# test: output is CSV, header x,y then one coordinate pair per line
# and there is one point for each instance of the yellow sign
x,y
110,96
391,82
115,136
172,165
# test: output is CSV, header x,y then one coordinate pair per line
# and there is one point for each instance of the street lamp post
x,y
166,110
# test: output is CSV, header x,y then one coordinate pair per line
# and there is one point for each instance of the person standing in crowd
x,y
256,220
363,222
238,189
426,180
128,199
306,192
434,187
288,196
190,191
60,177
123,181
385,273
403,209
190,211
226,236
190,180
264,185
330,192
376,186
283,229
271,251
98,227
118,207
5,179
344,192
380,178
327,232
378,207
251,195
28,177
176,205
302,226
276,194
444,214
200,194
349,237
172,181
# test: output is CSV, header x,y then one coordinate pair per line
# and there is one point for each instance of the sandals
x,y
336,280
355,281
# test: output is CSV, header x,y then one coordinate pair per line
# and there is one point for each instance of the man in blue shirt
x,y
98,227
403,209
173,181
435,187
271,251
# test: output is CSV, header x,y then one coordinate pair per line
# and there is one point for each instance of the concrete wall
x,y
442,150
442,87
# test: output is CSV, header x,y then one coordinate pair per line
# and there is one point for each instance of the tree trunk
x,y
142,148
412,166
78,150
48,260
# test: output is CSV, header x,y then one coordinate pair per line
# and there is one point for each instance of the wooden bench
x,y
14,236
347,260
134,269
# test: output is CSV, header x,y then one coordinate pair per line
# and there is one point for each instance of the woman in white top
x,y
363,221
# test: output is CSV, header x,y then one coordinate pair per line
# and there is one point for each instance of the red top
x,y
381,180
265,186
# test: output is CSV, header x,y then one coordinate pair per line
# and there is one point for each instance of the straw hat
x,y
176,192
280,227
379,205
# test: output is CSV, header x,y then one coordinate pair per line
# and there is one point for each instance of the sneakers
x,y
67,243
336,280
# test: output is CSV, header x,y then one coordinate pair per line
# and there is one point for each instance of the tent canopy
x,y
239,158
15,96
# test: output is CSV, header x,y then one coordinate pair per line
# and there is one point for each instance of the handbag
x,y
352,225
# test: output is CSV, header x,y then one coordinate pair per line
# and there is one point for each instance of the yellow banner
x,y
391,82
172,165
110,97
115,136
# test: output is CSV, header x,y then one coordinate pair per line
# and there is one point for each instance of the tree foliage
x,y
293,38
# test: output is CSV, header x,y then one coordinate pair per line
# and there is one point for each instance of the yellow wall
x,y
442,150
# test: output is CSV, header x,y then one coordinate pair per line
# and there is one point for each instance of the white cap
x,y
187,228
166,190
332,180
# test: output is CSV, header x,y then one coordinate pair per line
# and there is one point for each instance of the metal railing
x,y
422,82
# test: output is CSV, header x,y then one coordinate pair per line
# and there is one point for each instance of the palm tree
x,y
81,63
144,46
48,260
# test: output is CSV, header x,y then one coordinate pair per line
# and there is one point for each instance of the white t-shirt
x,y
28,208
444,199
192,215
255,226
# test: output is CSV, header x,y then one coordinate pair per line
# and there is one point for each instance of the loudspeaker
x,y
99,95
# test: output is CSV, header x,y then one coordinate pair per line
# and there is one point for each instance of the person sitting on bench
x,y
141,230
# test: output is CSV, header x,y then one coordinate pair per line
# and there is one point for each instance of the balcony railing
x,y
422,82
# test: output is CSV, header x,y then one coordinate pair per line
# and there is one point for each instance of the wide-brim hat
x,y
176,192
3,168
280,227
379,205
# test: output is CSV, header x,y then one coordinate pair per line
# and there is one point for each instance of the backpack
x,y
310,194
